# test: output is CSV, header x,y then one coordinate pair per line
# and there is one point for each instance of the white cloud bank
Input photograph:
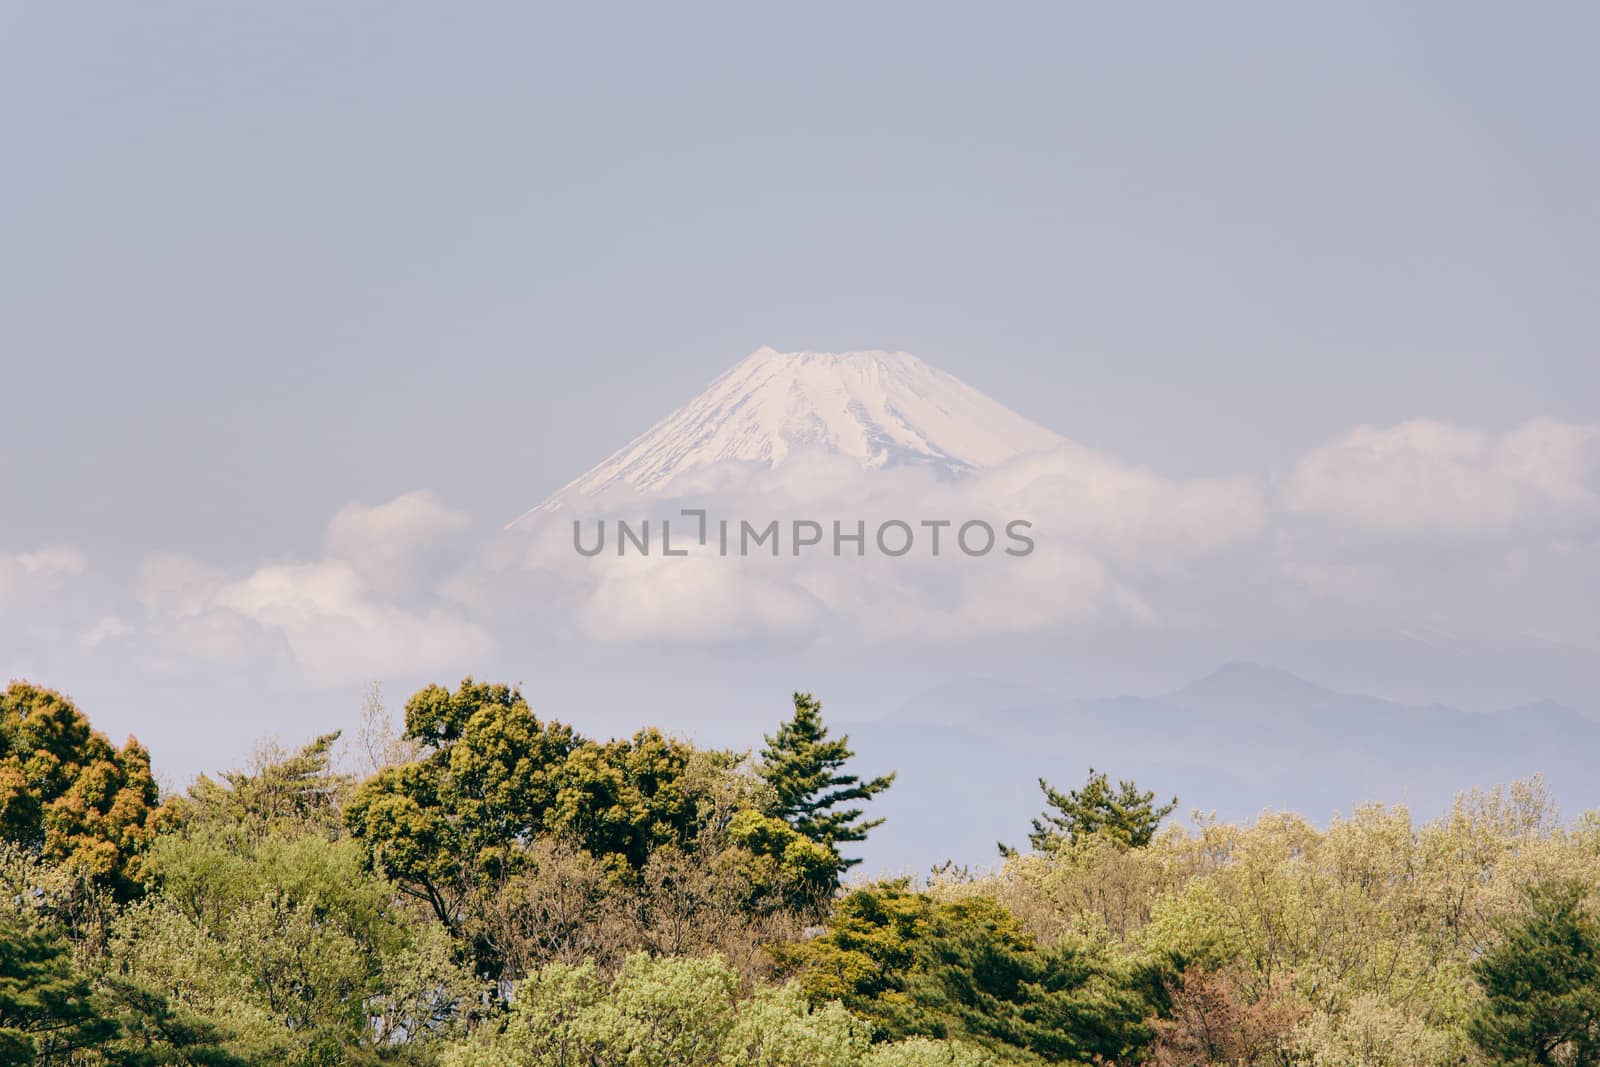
x,y
1446,532
1432,479
1097,526
1422,527
367,608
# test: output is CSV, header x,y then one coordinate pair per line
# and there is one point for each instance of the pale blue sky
x,y
258,263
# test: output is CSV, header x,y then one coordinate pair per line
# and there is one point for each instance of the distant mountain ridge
x,y
1242,740
880,409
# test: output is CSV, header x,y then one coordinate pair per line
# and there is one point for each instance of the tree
x,y
664,1012
291,945
804,767
152,1032
282,791
467,826
1541,984
46,1008
269,937
67,795
491,777
1124,815
967,970
622,799
488,772
1212,1017
378,744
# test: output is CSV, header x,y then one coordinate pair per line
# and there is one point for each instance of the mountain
x,y
1243,740
881,409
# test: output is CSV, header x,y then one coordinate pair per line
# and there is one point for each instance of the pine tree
x,y
1125,814
1541,985
46,1009
804,767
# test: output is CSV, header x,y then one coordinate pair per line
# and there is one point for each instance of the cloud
x,y
1423,526
1129,515
1445,530
369,607
46,595
1426,479
48,562
106,629
1098,527
176,586
336,630
179,627
1420,528
395,545
406,523
27,575
702,599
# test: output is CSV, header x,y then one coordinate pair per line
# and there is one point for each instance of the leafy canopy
x,y
67,795
273,930
488,774
282,791
456,826
680,1012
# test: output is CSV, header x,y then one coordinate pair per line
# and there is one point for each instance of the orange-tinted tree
x,y
68,795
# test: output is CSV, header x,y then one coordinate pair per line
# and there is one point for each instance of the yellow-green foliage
x,y
926,1052
682,1012
1361,934
644,903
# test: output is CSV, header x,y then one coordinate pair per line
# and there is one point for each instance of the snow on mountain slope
x,y
882,409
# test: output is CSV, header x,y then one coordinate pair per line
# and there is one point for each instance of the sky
x,y
262,267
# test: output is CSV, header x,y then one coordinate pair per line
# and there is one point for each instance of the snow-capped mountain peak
x,y
881,409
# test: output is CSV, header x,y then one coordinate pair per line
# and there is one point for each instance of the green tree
x,y
805,769
1125,814
777,863
288,791
68,795
967,970
622,799
153,1032
662,1012
131,1025
289,944
463,826
492,777
926,1052
267,925
1541,984
488,773
46,1006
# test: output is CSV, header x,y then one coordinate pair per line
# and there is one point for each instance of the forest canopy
x,y
481,884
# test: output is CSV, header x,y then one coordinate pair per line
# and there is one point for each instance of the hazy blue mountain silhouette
x,y
1243,740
